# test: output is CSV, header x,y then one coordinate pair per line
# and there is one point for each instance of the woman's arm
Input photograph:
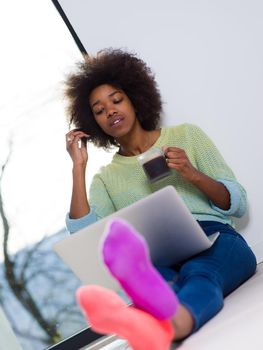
x,y
79,205
216,192
81,214
102,206
210,173
77,150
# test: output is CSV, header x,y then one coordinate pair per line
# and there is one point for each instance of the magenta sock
x,y
125,253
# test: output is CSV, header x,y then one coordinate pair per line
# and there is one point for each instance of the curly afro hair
x,y
122,70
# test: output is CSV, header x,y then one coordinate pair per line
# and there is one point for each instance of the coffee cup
x,y
154,164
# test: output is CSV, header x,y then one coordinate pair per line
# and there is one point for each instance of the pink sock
x,y
125,253
107,313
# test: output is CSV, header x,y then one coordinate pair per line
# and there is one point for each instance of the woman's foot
x,y
126,255
107,313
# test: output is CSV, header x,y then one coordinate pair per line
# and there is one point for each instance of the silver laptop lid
x,y
162,218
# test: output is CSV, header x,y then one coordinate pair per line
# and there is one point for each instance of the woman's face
x,y
112,110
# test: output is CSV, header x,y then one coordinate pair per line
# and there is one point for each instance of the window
x,y
37,290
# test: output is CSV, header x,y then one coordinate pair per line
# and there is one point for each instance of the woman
x,y
114,101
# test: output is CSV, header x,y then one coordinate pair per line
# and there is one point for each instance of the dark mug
x,y
154,164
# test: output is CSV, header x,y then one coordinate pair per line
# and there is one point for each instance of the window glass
x,y
37,291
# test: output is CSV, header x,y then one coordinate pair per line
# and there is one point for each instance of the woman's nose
x,y
111,112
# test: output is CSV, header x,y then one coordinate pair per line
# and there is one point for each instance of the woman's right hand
x,y
76,147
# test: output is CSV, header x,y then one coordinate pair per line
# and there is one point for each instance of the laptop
x,y
162,218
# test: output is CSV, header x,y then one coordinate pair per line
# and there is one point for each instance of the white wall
x,y
208,60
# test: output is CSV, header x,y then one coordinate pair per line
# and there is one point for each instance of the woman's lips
x,y
116,121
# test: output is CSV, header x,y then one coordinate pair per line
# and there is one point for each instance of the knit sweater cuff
x,y
74,225
237,199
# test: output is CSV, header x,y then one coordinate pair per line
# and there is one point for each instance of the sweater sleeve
x,y
210,161
100,199
74,225
238,199
100,206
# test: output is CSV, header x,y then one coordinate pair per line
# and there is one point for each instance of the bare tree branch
x,y
19,289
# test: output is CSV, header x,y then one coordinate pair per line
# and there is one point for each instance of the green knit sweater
x,y
123,182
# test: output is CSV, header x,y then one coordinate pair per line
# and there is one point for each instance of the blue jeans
x,y
204,280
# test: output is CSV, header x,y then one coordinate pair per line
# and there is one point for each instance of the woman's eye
x,y
118,100
99,111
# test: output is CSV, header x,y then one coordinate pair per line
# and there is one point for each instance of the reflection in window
x,y
37,295
37,291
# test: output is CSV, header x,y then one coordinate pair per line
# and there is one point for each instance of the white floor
x,y
239,325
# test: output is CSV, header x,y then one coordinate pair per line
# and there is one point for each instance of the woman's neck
x,y
139,143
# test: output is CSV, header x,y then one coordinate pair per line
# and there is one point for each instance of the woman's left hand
x,y
216,192
177,159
